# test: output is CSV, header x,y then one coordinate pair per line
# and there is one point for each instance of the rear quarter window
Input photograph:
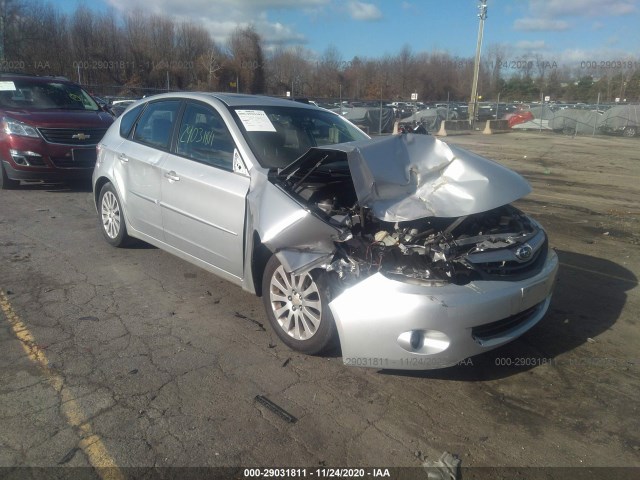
x,y
155,125
127,121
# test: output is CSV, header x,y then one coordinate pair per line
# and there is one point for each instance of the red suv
x,y
49,129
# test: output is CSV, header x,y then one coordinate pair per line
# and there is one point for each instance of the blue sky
x,y
561,31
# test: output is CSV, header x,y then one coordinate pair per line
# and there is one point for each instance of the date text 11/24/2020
x,y
322,472
422,362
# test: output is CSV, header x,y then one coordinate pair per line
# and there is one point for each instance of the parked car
x,y
402,249
620,120
50,129
629,130
117,110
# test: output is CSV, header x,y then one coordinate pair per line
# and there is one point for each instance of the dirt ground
x,y
135,358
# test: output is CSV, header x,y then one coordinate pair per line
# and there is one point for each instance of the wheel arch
x,y
259,258
100,182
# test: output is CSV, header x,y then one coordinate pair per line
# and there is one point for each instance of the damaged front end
x,y
414,233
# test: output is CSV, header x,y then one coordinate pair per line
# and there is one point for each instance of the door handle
x,y
123,158
172,176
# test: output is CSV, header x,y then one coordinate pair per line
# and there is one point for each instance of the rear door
x,y
203,199
139,160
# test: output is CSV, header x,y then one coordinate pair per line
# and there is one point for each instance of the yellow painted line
x,y
595,272
90,443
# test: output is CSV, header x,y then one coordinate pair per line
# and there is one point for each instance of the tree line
x,y
124,53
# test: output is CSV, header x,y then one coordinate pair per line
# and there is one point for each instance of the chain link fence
x,y
621,120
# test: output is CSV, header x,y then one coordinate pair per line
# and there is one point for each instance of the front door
x,y
203,200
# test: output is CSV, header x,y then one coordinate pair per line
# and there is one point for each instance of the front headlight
x,y
15,127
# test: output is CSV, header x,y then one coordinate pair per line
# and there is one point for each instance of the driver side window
x,y
204,137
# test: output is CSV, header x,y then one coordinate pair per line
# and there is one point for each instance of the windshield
x,y
279,135
45,95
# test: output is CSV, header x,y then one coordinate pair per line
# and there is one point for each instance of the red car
x,y
519,117
49,130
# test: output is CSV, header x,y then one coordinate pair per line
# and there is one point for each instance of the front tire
x,y
111,215
298,308
630,132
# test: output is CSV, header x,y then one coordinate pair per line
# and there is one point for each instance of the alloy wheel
x,y
111,218
296,305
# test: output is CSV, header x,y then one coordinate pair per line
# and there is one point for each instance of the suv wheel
x,y
630,132
298,308
111,215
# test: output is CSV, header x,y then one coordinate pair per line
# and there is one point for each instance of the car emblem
x,y
81,136
524,252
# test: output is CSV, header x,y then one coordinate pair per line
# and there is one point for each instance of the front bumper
x,y
46,161
387,324
47,174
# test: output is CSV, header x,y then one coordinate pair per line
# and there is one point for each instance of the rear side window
x,y
127,121
156,124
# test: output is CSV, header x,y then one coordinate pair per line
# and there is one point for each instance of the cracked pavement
x,y
163,360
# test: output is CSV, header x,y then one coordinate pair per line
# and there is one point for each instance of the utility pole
x,y
482,15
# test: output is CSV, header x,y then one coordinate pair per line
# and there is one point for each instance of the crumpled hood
x,y
407,177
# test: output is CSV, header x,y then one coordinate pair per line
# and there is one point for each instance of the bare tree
x,y
288,70
328,73
12,14
212,62
245,47
497,58
404,72
138,42
192,42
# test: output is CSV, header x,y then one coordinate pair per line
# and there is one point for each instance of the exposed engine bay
x,y
499,243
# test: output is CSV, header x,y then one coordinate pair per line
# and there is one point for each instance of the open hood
x,y
408,177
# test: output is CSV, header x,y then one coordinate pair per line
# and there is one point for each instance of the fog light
x,y
424,342
26,159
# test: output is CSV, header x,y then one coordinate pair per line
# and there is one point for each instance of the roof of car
x,y
239,99
244,100
45,78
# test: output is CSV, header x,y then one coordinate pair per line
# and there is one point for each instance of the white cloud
x,y
364,11
531,45
547,15
590,60
222,17
540,25
591,8
612,40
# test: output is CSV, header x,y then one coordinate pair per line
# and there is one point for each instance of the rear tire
x,y
630,132
298,308
111,215
5,182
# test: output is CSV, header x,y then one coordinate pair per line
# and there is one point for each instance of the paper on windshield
x,y
7,86
255,121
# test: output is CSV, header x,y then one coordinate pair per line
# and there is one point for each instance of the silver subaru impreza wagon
x,y
402,250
